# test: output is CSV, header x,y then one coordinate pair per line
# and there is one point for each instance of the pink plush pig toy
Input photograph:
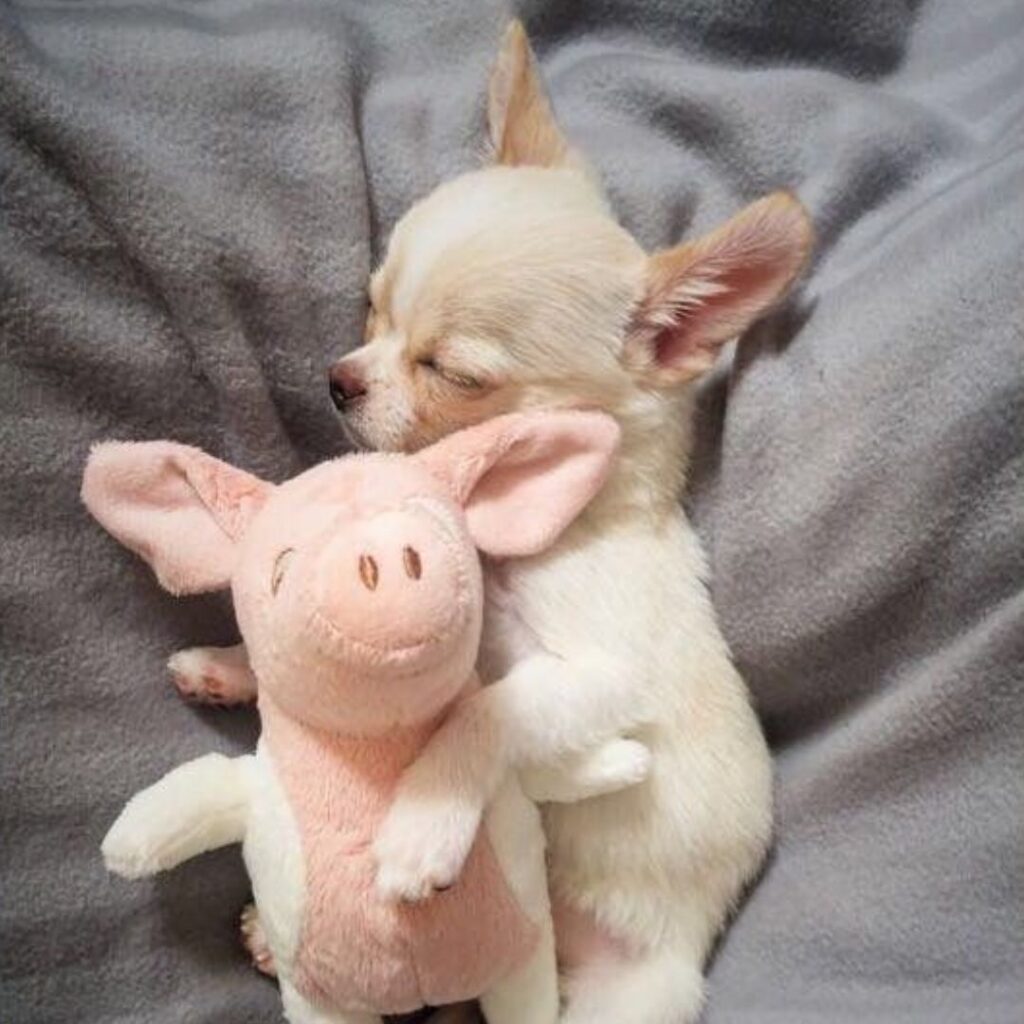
x,y
358,591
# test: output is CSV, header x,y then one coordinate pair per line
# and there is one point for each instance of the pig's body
x,y
359,595
323,795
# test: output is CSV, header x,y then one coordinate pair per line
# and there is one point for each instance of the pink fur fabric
x,y
519,490
358,591
385,956
175,506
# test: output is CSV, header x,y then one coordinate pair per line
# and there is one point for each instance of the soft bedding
x,y
191,198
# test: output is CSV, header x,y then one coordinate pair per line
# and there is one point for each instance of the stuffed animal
x,y
358,591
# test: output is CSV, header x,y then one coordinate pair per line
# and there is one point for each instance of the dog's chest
x,y
508,636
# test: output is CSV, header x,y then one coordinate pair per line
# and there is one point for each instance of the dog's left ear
x,y
701,294
523,128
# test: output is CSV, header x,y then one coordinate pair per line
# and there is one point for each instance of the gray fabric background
x,y
192,195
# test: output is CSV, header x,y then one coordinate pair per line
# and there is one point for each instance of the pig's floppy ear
x,y
179,508
523,478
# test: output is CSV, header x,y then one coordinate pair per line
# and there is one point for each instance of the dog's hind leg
x,y
652,978
254,938
214,675
662,986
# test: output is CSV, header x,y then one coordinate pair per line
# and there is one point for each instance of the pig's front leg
x,y
544,709
214,675
199,806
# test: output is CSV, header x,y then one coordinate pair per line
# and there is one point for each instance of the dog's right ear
x,y
523,128
699,295
182,510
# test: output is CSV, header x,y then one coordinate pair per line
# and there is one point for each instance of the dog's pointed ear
x,y
522,126
180,509
524,477
701,294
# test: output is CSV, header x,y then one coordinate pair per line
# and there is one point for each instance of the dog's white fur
x,y
513,287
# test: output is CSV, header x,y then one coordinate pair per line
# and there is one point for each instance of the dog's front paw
x,y
615,765
421,848
621,763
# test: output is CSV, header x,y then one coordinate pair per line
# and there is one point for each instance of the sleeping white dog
x,y
513,287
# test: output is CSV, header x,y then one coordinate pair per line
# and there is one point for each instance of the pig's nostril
x,y
368,572
413,564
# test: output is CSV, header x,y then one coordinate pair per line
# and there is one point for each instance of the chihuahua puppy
x,y
513,287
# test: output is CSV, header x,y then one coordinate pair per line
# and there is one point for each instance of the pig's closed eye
x,y
280,568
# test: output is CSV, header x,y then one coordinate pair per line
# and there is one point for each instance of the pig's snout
x,y
369,570
393,582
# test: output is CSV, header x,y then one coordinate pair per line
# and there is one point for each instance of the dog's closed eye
x,y
449,374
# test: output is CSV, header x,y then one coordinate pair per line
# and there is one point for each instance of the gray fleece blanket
x,y
192,196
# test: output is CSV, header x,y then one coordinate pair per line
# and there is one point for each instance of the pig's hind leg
x,y
529,995
298,1010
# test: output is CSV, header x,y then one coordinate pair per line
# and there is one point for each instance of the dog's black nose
x,y
346,385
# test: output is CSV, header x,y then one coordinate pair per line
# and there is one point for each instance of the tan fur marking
x,y
523,128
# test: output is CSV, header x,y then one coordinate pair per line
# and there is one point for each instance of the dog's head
x,y
513,287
